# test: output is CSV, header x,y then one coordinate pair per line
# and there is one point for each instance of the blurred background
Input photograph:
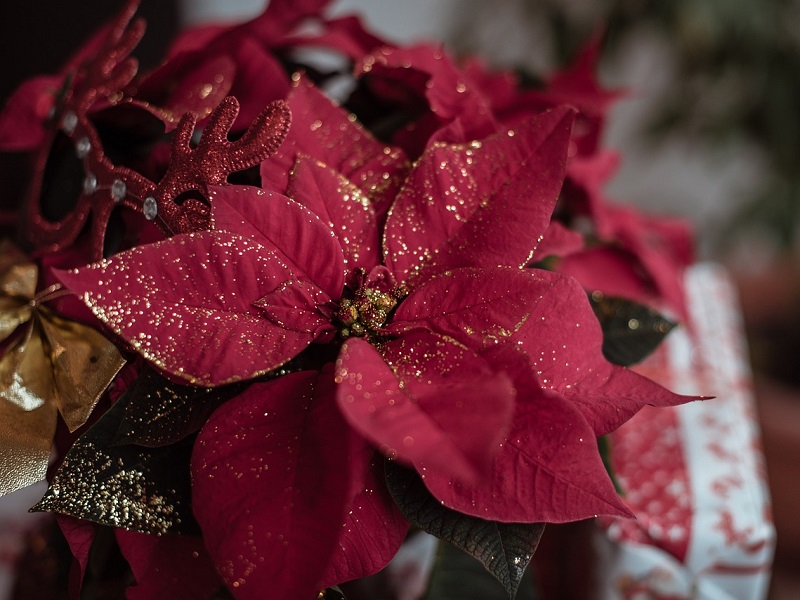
x,y
709,130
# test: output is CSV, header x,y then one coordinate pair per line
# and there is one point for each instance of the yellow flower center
x,y
366,313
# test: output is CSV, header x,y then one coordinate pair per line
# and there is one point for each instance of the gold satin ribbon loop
x,y
52,365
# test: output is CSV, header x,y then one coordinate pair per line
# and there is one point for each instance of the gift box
x,y
693,475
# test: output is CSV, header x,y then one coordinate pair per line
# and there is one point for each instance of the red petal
x,y
578,85
326,132
282,15
80,536
558,241
181,86
477,307
201,89
425,400
298,306
548,317
271,482
373,528
175,567
424,73
564,341
346,35
644,261
589,174
193,292
480,204
662,248
192,39
342,205
610,270
548,470
257,80
260,77
22,120
510,102
294,233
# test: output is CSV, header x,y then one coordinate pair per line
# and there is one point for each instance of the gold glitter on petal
x,y
206,92
353,220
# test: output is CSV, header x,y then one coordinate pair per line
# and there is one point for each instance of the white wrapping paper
x,y
694,475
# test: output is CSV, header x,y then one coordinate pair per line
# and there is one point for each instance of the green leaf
x,y
135,488
334,593
631,331
160,412
458,576
504,549
604,446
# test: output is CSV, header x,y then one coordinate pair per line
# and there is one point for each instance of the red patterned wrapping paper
x,y
694,475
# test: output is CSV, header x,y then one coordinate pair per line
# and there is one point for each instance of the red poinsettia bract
x,y
438,350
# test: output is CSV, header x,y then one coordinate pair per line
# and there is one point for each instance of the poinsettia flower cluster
x,y
379,289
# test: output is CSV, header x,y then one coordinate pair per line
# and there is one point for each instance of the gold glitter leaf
x,y
160,412
133,488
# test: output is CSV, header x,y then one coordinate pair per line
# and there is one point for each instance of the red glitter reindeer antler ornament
x,y
106,186
210,163
102,76
112,67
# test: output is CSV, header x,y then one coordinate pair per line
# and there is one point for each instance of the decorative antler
x,y
212,161
103,74
111,68
107,186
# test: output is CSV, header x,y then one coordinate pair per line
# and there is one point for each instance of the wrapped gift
x,y
693,475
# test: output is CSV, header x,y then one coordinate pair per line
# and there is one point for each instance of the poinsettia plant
x,y
410,307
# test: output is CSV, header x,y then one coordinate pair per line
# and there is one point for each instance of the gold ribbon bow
x,y
51,366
